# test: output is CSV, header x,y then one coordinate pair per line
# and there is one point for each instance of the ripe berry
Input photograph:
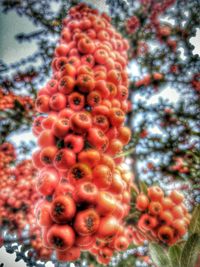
x,y
155,193
166,217
117,186
52,86
155,208
97,138
79,172
47,155
48,122
63,208
94,98
124,135
37,125
64,159
86,46
76,101
61,237
86,192
74,142
177,212
101,122
61,127
105,203
91,157
57,102
47,182
176,197
68,70
147,222
167,203
66,85
81,122
86,222
121,243
43,214
62,50
116,117
142,202
37,163
166,234
102,176
42,103
179,226
108,228
46,138
85,83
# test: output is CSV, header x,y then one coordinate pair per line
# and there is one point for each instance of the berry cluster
x,y
148,79
132,24
163,218
86,196
17,195
8,101
7,156
180,165
17,199
38,249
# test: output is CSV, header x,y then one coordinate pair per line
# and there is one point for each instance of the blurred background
x,y
164,90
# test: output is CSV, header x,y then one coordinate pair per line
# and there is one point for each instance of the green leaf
x,y
195,221
159,255
175,254
134,193
143,187
125,153
60,143
190,251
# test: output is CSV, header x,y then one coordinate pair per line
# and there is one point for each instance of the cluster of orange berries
x,y
180,165
18,196
163,218
86,196
148,79
7,156
40,251
132,24
8,100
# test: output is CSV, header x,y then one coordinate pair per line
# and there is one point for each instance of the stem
x,y
125,153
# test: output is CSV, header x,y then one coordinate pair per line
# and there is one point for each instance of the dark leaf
x,y
159,255
190,251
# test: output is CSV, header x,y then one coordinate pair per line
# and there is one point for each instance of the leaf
x,y
125,153
159,256
143,187
18,105
9,249
190,251
175,254
195,221
19,256
60,144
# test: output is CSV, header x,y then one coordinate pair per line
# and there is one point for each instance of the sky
x,y
11,50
